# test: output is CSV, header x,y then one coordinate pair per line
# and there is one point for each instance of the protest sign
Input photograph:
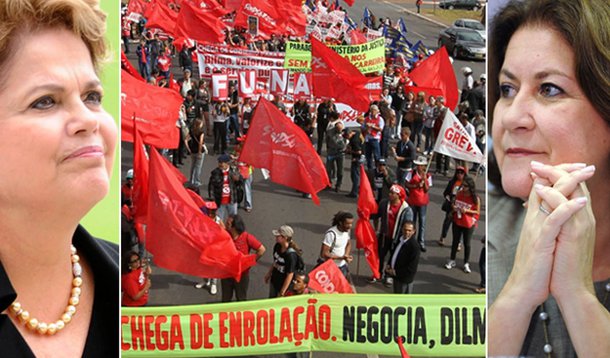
x,y
367,57
431,325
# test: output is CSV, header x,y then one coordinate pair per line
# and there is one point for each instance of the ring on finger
x,y
544,210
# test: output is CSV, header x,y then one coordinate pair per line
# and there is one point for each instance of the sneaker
x,y
450,264
389,282
372,280
200,285
213,289
467,268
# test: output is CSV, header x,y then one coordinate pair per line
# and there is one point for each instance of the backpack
x,y
300,266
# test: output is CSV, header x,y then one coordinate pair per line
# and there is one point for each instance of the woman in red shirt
x,y
466,211
136,281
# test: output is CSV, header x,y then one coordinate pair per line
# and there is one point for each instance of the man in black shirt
x,y
404,153
233,111
355,148
322,120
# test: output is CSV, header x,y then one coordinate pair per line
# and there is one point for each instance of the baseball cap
x,y
283,230
381,161
224,158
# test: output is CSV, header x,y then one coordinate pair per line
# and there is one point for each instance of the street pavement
x,y
275,205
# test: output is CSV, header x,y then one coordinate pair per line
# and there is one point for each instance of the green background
x,y
103,220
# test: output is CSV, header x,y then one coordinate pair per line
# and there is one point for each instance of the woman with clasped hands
x,y
549,265
58,285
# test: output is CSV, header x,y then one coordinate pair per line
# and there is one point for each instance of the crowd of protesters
x,y
400,125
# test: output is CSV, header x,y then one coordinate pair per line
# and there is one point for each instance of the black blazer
x,y
407,260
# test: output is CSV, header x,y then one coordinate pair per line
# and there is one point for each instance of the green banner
x,y
431,325
368,57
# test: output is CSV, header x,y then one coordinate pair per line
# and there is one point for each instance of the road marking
x,y
404,10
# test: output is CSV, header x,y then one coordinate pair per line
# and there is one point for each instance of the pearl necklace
x,y
544,317
50,329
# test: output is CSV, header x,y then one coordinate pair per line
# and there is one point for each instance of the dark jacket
x,y
407,261
404,214
235,183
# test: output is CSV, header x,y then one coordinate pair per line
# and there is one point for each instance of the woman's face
x,y
56,140
542,113
134,262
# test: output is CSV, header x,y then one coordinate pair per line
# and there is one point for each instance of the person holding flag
x,y
393,212
225,187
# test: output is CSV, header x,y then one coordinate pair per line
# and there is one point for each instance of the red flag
x,y
365,234
156,111
428,90
137,6
328,278
401,347
162,17
140,180
126,65
198,24
437,72
349,2
269,17
335,77
275,143
173,84
356,37
293,18
215,8
181,237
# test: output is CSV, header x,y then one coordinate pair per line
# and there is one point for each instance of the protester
x,y
442,161
302,116
324,109
428,130
451,190
354,147
244,243
374,124
127,189
197,149
393,213
225,187
335,151
336,245
404,259
285,259
418,182
246,114
135,280
381,180
482,269
233,121
404,154
220,116
210,210
466,211
300,284
418,120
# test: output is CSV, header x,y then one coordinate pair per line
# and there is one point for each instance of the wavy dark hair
x,y
340,217
584,24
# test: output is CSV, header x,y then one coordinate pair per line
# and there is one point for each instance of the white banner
x,y
230,61
348,115
454,141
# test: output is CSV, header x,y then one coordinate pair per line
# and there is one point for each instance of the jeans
x,y
418,125
458,232
248,192
482,267
224,210
429,140
419,218
196,165
220,137
334,165
232,122
355,176
144,70
384,244
402,287
372,152
229,285
446,224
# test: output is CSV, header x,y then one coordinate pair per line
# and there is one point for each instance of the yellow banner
x,y
368,57
431,325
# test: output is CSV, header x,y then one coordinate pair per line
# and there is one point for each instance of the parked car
x,y
460,4
472,25
462,43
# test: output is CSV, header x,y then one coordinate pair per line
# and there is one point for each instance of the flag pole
x,y
358,264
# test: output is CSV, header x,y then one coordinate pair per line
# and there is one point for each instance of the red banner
x,y
328,278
